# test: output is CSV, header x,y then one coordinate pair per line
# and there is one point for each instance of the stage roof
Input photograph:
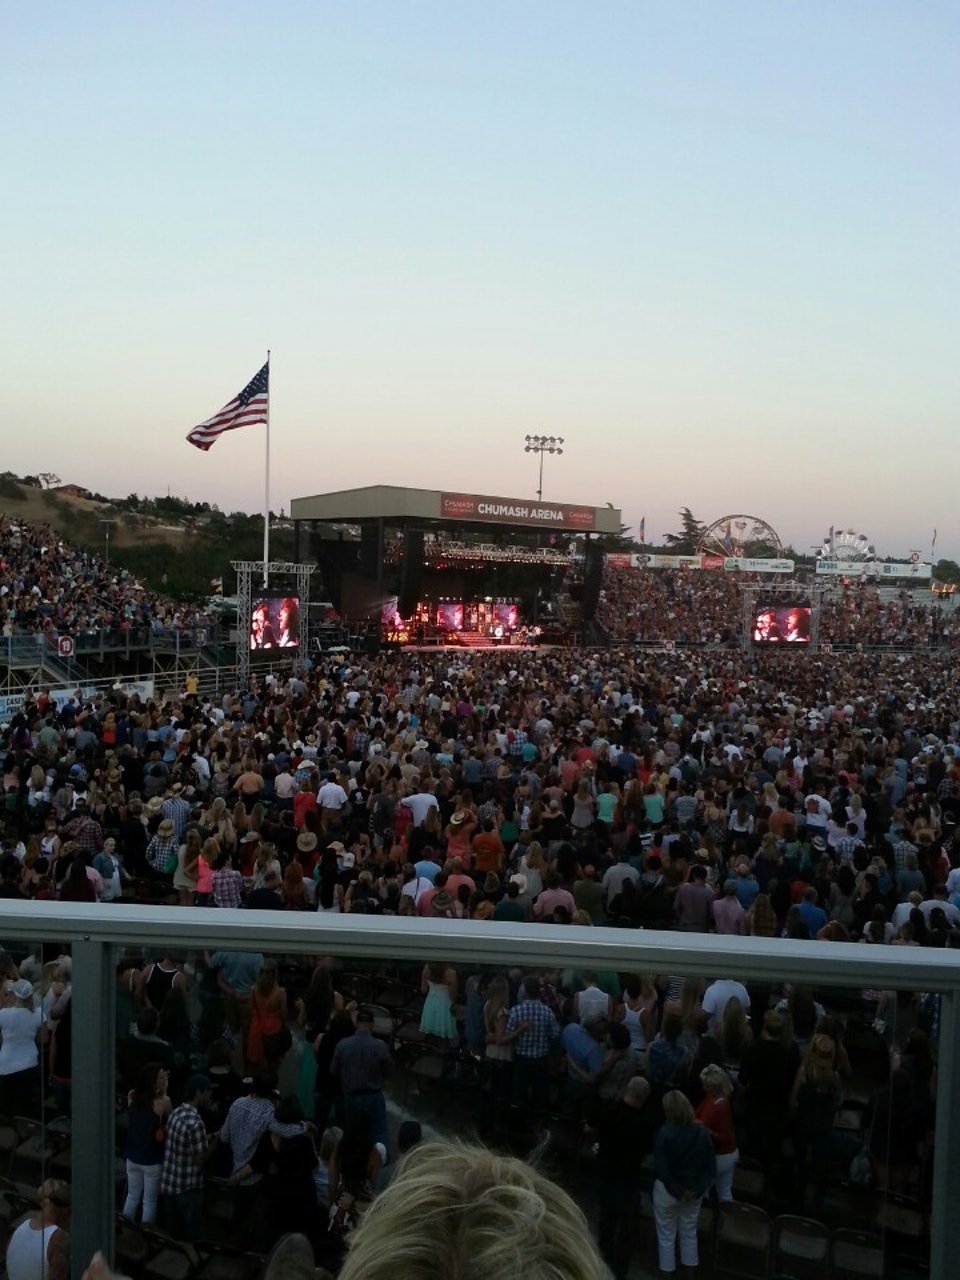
x,y
408,506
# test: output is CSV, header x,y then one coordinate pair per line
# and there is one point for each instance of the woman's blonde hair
x,y
714,1077
458,1211
677,1108
534,856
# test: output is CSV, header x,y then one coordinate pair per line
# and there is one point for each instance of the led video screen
x,y
781,624
275,622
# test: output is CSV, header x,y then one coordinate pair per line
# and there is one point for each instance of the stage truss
x,y
788,592
246,571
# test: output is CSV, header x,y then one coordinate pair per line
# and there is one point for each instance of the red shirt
x,y
715,1115
302,802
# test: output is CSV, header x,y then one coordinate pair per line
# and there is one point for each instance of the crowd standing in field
x,y
775,794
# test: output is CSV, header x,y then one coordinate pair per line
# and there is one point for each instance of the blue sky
x,y
713,245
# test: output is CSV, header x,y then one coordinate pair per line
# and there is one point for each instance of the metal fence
x,y
96,932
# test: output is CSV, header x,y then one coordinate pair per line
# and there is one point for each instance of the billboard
x,y
545,515
730,564
873,568
750,564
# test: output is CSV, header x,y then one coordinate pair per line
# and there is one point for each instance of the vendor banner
x,y
883,569
757,564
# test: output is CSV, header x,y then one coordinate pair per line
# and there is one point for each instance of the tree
x,y
685,542
622,541
947,571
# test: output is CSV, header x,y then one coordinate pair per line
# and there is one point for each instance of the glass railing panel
x,y
814,1106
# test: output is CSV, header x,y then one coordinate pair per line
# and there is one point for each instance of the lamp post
x,y
107,525
542,445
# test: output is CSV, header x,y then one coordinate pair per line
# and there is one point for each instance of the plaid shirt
x,y
542,1032
158,851
87,833
846,847
178,811
227,887
186,1144
515,748
247,1121
901,848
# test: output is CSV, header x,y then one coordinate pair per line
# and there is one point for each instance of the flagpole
x,y
266,494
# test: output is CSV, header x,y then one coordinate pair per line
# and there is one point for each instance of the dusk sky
x,y
714,245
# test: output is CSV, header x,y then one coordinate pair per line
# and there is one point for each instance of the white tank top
x,y
631,1020
27,1250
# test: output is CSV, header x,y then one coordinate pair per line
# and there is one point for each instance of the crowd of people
x,y
670,605
49,586
684,607
862,615
778,794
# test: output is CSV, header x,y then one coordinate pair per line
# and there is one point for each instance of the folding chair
x,y
856,1255
750,1182
169,1259
904,1225
743,1241
384,1022
131,1246
36,1148
224,1262
801,1248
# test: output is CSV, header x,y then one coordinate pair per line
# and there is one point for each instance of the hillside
x,y
79,519
171,545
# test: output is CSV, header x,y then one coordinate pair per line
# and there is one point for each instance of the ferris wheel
x,y
847,545
740,535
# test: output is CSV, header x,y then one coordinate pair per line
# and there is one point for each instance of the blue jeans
x,y
531,1082
183,1214
373,1105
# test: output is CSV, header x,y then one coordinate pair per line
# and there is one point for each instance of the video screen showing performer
x,y
275,622
782,624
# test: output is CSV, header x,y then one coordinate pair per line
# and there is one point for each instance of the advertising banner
x,y
641,560
874,569
546,515
748,564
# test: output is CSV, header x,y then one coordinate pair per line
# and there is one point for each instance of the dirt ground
x,y
63,512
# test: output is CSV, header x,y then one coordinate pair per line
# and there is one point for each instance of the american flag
x,y
245,410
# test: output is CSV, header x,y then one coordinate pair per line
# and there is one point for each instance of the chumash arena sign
x,y
548,515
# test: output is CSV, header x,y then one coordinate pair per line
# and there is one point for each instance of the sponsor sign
x,y
748,564
548,515
641,560
873,569
910,569
10,704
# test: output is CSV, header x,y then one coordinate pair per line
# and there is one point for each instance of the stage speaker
x,y
411,573
369,550
592,580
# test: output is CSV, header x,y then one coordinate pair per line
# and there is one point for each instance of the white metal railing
x,y
94,932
